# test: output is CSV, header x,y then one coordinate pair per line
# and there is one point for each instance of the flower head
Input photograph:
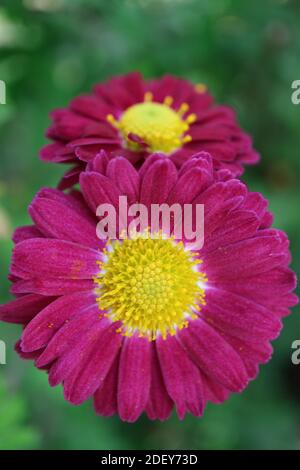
x,y
131,117
145,324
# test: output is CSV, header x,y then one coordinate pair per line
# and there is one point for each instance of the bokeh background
x,y
248,54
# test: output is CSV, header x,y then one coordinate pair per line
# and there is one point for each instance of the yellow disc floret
x,y
152,285
156,126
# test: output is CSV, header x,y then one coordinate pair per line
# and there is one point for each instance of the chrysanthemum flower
x,y
147,324
132,117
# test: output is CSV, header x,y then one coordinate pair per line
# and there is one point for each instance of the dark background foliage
x,y
248,54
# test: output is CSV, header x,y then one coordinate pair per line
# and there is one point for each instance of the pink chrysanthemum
x,y
134,118
147,324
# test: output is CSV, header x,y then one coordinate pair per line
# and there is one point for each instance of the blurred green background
x,y
248,54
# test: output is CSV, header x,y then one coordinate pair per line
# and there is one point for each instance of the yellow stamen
x,y
168,100
187,139
191,118
184,107
111,119
200,88
158,126
152,285
148,97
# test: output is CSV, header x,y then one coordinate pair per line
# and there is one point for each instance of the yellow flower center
x,y
155,126
152,285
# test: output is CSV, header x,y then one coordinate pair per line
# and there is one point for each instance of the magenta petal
x,y
105,398
25,232
268,289
134,84
160,404
99,164
178,88
98,189
51,287
189,186
125,176
149,161
53,259
252,353
86,141
26,355
256,255
258,204
239,316
134,378
121,91
243,225
158,182
77,344
90,106
214,355
86,153
89,362
213,391
70,333
48,215
202,161
219,200
56,152
49,320
67,125
181,376
74,200
24,309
